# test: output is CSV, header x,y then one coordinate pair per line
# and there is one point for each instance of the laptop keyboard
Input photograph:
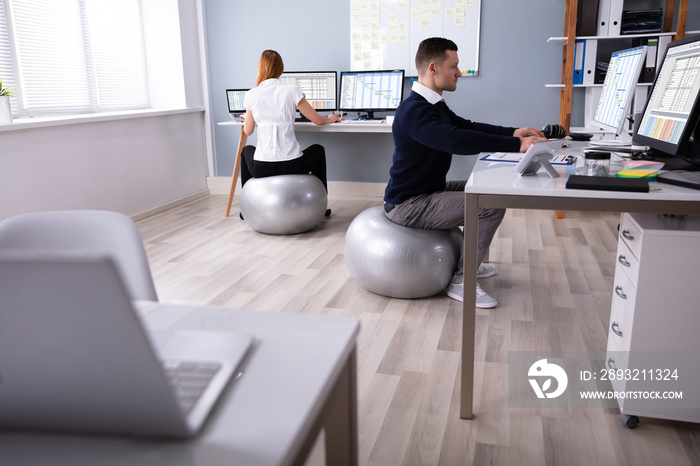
x,y
189,380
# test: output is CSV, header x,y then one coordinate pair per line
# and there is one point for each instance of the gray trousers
x,y
444,210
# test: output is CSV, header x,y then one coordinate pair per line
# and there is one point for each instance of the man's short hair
x,y
433,49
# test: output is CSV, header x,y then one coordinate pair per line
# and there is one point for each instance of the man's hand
x,y
526,142
525,132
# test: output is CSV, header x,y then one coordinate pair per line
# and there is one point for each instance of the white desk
x,y
342,127
300,376
495,185
308,127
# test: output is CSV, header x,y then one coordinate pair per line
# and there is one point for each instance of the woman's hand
x,y
308,111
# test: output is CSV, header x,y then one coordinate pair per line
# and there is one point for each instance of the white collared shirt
x,y
427,93
274,107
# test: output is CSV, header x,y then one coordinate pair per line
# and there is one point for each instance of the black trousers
x,y
312,160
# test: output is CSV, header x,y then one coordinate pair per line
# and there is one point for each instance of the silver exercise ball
x,y
283,204
400,262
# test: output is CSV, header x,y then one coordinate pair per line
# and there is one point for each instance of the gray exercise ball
x,y
397,261
283,204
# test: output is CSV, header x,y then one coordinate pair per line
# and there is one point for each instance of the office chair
x,y
111,233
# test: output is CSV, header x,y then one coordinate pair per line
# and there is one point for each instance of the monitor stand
x,y
544,159
368,116
620,140
540,160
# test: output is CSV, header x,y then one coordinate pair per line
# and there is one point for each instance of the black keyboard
x,y
687,179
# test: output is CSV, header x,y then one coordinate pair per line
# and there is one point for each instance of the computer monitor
x,y
319,87
669,123
370,91
617,94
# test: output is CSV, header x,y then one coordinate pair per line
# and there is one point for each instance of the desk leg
x,y
341,427
236,169
471,235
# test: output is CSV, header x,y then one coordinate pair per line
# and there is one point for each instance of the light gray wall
x,y
515,64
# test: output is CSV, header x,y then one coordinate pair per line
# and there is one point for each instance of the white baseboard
x,y
336,189
221,184
170,205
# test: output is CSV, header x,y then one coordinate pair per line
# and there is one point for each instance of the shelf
x,y
569,41
623,36
591,85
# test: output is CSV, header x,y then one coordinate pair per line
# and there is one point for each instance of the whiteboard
x,y
385,33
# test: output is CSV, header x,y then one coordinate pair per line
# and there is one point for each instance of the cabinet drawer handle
x,y
626,234
616,329
618,291
623,260
611,364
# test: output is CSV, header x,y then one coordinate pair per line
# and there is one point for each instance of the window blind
x,y
116,37
6,74
78,56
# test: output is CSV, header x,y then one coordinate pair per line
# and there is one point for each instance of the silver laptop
x,y
235,99
75,357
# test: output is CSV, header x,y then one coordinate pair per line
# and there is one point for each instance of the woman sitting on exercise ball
x,y
272,106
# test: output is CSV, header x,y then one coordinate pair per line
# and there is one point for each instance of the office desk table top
x,y
343,127
496,185
299,372
489,178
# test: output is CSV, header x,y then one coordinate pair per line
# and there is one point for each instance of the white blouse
x,y
274,107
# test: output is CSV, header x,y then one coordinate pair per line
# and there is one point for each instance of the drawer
x,y
617,360
626,262
631,234
621,313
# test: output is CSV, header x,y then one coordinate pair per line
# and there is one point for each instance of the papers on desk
x,y
516,156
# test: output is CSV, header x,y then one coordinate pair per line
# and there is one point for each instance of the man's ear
x,y
432,67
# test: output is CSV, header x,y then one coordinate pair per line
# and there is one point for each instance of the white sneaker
x,y
485,271
483,300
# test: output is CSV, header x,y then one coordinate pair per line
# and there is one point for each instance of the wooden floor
x,y
553,287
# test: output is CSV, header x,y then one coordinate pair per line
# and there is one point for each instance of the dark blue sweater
x,y
426,136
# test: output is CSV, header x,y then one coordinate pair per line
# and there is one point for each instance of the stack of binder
x,y
585,53
587,23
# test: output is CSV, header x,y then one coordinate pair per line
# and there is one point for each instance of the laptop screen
x,y
235,99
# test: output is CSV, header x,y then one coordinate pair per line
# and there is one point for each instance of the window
x,y
6,75
73,56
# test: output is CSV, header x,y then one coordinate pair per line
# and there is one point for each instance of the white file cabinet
x,y
656,309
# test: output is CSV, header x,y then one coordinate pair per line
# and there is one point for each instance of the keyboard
x,y
189,380
687,179
363,122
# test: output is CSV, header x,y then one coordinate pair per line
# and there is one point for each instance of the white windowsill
x,y
29,123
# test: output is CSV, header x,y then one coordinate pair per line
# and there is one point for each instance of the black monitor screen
x,y
369,91
319,87
671,114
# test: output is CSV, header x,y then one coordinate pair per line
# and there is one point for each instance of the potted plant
x,y
5,108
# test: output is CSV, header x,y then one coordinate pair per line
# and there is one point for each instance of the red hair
x,y
270,66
